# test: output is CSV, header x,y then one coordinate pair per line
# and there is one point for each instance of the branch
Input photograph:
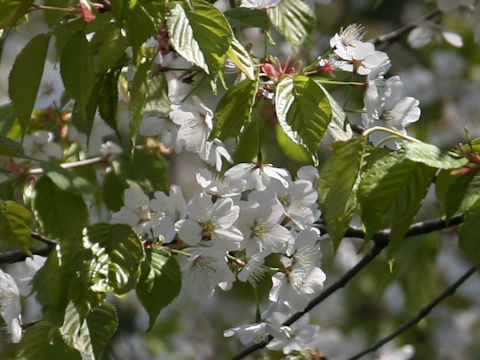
x,y
381,240
394,35
43,239
421,314
10,257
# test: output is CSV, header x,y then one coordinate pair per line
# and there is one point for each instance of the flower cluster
x,y
384,102
229,227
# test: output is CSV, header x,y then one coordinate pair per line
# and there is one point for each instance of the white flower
x,y
172,208
259,4
211,221
385,106
153,125
10,307
195,121
40,145
260,225
110,148
427,32
295,337
249,333
206,269
403,353
51,87
213,153
137,211
347,37
300,278
219,186
257,176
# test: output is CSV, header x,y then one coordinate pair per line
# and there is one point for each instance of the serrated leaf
x,y
111,51
92,334
202,35
117,254
244,17
159,283
9,147
43,342
15,224
77,71
457,193
62,212
294,19
432,156
25,76
12,10
338,185
148,169
241,58
339,128
292,150
108,99
469,239
303,112
140,25
391,192
234,110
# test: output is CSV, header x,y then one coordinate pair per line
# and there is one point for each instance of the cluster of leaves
x,y
91,261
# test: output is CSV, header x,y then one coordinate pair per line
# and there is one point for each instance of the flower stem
x,y
390,131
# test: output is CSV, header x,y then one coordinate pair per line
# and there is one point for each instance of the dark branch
x,y
421,314
43,239
10,257
394,35
380,239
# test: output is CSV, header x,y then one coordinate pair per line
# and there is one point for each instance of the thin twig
x,y
43,238
73,164
11,257
381,240
394,35
421,314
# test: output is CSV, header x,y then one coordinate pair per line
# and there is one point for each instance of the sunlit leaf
x,y
15,224
432,156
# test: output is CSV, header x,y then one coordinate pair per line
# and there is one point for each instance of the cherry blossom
x,y
10,307
40,145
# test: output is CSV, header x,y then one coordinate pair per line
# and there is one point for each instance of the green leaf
x,y
12,10
432,156
244,17
139,97
117,254
25,77
469,240
111,51
457,193
391,192
51,285
159,283
113,188
7,114
148,169
338,185
9,147
303,111
62,212
339,128
291,149
43,342
108,99
77,70
65,179
15,224
234,110
202,35
247,147
92,335
294,19
241,58
140,25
